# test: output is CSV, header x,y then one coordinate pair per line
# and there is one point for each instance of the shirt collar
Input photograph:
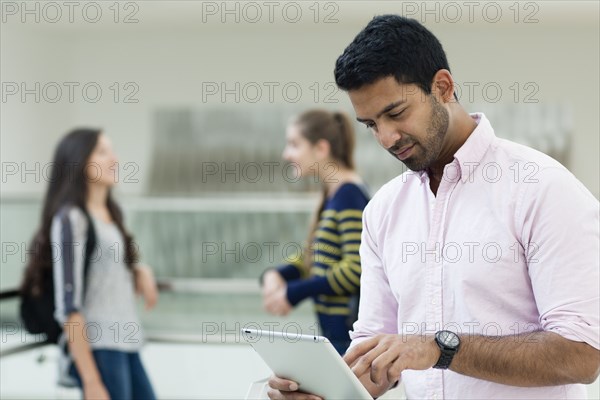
x,y
469,155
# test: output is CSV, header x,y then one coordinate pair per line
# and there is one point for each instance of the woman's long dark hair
x,y
68,186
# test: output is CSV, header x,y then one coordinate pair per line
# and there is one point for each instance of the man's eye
x,y
369,125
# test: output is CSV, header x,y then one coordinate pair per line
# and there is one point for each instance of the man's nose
x,y
388,135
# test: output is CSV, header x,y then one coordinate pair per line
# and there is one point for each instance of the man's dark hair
x,y
391,45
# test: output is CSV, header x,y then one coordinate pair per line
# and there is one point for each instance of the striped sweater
x,y
334,275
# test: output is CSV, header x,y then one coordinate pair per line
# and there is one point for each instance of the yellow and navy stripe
x,y
334,275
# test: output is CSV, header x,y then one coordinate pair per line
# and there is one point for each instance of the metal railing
x,y
196,286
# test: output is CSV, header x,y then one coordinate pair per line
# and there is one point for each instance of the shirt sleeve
x,y
560,235
329,284
378,308
68,237
294,270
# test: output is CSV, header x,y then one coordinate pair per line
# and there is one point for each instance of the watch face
x,y
448,339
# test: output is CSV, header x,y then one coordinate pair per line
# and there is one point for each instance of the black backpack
x,y
37,312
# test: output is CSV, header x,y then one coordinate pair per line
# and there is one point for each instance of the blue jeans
x,y
122,373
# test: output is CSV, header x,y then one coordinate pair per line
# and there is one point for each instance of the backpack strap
x,y
90,246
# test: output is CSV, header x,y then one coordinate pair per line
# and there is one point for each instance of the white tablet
x,y
311,361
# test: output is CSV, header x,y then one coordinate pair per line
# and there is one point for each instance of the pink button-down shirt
x,y
510,244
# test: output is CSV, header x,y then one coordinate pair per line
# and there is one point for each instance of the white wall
x,y
171,51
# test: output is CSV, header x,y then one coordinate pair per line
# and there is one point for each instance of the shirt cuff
x,y
300,289
289,272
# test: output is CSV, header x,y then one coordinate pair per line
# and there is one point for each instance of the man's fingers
x,y
278,395
360,349
278,383
285,389
381,365
364,363
395,371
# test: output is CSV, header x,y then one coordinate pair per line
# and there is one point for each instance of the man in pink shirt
x,y
480,265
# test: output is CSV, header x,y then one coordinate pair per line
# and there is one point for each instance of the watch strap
x,y
444,360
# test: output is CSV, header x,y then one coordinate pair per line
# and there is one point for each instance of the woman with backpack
x,y
321,142
94,288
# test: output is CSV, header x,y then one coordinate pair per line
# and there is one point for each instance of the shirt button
x,y
68,287
433,302
435,396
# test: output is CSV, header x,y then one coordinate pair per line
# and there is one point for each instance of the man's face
x,y
408,123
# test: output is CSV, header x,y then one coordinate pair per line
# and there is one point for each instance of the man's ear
x,y
442,86
322,149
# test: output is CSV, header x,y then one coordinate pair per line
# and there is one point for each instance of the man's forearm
x,y
529,359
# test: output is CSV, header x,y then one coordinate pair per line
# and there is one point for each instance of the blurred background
x,y
195,97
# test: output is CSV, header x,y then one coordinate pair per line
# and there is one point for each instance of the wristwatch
x,y
449,343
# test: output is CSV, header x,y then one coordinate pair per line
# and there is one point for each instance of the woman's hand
x,y
277,303
272,280
95,391
145,285
275,294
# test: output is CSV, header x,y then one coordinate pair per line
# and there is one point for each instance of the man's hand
x,y
283,389
379,361
145,285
